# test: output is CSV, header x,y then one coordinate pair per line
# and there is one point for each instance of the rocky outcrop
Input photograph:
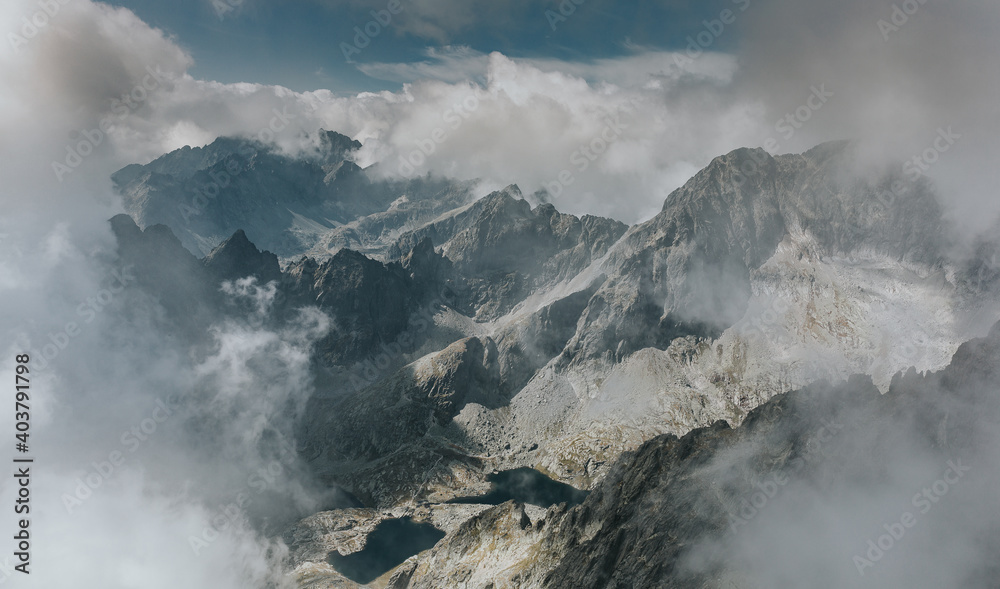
x,y
237,258
480,553
370,302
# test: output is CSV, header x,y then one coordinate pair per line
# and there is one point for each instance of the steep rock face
x,y
852,208
391,421
530,341
335,148
388,415
502,250
508,235
479,553
370,302
443,228
433,273
238,258
687,269
190,290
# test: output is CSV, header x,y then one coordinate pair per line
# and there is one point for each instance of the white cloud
x,y
531,120
530,116
110,370
894,90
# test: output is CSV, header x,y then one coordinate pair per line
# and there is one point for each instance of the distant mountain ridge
x,y
284,203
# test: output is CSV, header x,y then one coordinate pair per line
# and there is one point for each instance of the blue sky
x,y
298,44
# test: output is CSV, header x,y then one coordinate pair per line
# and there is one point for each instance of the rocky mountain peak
x,y
507,197
336,147
237,257
727,176
156,240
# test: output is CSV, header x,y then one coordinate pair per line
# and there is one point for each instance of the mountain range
x,y
658,374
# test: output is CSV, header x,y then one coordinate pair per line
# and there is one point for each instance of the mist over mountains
x,y
676,368
561,294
